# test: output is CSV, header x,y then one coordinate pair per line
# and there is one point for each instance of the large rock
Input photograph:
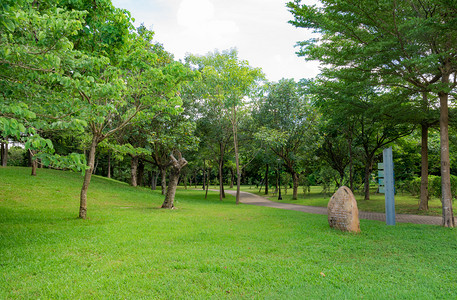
x,y
343,213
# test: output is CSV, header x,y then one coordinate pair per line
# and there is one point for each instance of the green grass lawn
x,y
404,204
128,248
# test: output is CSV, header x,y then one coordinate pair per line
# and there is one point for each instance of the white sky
x,y
257,28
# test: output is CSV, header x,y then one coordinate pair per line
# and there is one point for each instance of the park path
x,y
251,199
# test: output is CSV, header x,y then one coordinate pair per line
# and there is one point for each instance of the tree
x,y
288,126
120,79
366,112
393,42
35,53
176,165
228,81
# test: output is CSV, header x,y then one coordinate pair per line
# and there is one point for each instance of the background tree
x,y
288,126
228,81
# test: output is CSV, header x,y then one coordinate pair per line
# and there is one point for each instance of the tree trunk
x,y
163,173
207,182
87,177
423,205
266,179
295,178
109,165
175,170
4,153
133,170
446,197
204,175
34,163
232,177
368,169
140,173
221,181
351,177
237,159
154,181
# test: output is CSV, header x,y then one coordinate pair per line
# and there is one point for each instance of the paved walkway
x,y
251,199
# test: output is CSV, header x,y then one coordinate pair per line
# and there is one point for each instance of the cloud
x,y
195,13
259,29
201,27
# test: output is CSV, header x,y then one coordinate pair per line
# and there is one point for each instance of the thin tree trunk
x,y
368,169
232,177
87,177
221,181
446,197
175,170
154,181
4,153
266,179
204,175
351,172
295,179
237,159
133,170
207,182
424,169
34,163
109,165
195,178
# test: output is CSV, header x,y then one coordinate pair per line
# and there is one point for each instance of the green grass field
x,y
128,248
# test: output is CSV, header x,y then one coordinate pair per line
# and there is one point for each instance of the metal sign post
x,y
389,185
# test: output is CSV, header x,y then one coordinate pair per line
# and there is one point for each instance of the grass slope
x,y
129,248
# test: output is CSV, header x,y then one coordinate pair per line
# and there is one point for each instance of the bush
x,y
17,157
413,186
434,186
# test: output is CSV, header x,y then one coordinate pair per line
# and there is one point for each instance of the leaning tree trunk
x,y
134,170
423,205
446,196
295,179
87,177
175,170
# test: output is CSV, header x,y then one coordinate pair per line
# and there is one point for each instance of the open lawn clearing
x,y
128,248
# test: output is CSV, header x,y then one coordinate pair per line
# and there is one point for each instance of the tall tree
x,y
288,126
394,42
228,81
120,78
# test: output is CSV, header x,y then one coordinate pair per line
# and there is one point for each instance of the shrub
x,y
17,157
413,185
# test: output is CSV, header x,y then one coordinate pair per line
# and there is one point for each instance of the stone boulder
x,y
343,213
